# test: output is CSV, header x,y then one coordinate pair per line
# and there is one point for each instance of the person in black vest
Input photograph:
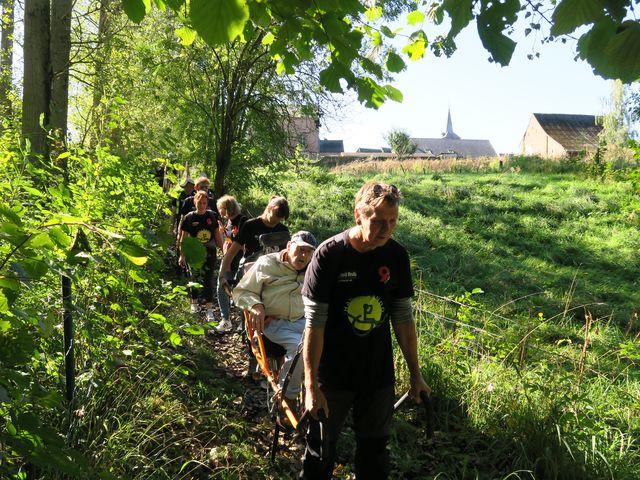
x,y
203,225
357,286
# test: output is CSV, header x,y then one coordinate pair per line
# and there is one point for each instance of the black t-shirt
x,y
189,204
203,227
360,289
231,230
249,235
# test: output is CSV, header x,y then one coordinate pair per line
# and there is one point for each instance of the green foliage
x,y
343,31
97,229
400,142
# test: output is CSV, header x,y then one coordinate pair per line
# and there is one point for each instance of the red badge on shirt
x,y
384,273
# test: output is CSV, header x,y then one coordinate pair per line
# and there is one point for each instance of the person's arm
x,y
225,265
181,236
248,295
219,239
312,351
405,333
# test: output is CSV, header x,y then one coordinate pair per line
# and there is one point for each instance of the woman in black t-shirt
x,y
247,239
202,224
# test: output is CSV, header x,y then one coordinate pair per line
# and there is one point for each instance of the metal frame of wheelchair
x,y
270,366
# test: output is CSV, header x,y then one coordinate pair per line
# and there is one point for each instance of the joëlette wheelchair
x,y
270,356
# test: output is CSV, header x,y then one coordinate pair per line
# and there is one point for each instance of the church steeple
x,y
449,131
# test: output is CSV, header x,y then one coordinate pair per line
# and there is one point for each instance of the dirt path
x,y
231,349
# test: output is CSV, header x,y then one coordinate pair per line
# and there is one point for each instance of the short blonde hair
x,y
230,204
373,193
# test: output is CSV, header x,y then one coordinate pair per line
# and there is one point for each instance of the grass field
x,y
530,241
527,314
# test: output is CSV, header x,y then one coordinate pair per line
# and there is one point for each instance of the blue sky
x,y
486,101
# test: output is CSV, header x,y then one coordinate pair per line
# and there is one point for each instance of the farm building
x,y
553,135
451,145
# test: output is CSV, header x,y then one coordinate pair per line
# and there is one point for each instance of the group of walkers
x,y
341,299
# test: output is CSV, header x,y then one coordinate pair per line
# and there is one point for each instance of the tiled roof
x,y
574,132
331,146
459,147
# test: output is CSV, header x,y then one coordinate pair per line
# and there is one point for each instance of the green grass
x,y
558,239
522,390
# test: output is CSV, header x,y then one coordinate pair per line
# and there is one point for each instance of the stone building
x,y
553,135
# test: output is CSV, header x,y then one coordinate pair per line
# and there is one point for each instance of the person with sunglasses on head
x,y
357,288
248,241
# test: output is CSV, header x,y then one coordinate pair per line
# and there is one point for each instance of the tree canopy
x,y
361,49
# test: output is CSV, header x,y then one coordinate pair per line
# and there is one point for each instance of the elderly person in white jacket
x,y
271,293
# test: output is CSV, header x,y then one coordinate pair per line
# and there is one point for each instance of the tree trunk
x,y
6,59
60,50
36,91
98,111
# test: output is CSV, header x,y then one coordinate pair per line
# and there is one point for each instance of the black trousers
x,y
372,413
204,275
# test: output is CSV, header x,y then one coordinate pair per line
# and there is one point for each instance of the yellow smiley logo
x,y
204,236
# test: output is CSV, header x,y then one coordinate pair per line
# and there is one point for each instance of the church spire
x,y
449,131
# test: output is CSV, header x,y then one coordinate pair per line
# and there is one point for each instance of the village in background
x,y
548,135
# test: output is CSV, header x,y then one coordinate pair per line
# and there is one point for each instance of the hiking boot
x,y
224,326
195,308
210,316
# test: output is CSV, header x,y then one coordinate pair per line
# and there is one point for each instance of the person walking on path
x,y
230,212
203,225
357,285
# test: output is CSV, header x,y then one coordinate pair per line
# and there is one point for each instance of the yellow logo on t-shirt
x,y
204,236
364,313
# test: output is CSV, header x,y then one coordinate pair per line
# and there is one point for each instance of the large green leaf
x,y
186,35
136,9
591,47
460,12
570,14
623,52
31,268
194,252
6,212
219,21
417,46
493,19
394,62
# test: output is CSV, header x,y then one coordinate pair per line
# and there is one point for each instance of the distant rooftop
x,y
459,147
331,146
574,132
373,150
